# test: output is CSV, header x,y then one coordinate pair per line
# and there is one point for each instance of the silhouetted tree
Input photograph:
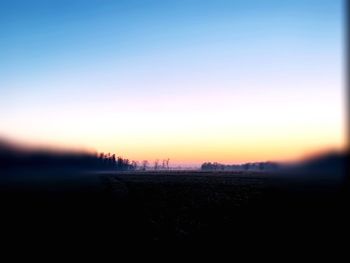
x,y
144,165
167,163
119,163
113,159
134,165
126,164
156,164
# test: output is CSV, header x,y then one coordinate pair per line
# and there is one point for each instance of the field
x,y
172,205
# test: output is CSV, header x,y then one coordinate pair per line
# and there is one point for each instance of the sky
x,y
193,81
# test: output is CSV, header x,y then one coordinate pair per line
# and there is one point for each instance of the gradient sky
x,y
227,81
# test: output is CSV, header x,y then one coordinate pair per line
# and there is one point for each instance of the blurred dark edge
x,y
347,80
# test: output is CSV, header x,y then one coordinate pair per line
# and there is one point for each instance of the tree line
x,y
256,166
120,163
16,157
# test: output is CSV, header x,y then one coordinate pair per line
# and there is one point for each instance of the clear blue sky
x,y
63,64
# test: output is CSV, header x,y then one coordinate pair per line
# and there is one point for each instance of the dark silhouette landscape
x,y
196,122
56,193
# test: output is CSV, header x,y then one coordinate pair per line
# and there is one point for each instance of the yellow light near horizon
x,y
193,130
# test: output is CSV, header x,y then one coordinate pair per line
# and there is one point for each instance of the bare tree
x,y
113,160
156,164
144,165
167,163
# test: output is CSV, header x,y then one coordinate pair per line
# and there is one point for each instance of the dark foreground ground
x,y
245,208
